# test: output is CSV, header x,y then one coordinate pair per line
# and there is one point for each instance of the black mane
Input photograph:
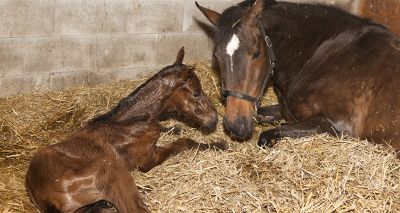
x,y
229,20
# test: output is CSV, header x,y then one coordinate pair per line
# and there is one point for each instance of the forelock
x,y
230,20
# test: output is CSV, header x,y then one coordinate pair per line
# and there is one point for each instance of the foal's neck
x,y
146,101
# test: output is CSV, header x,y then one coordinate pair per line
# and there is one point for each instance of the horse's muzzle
x,y
240,129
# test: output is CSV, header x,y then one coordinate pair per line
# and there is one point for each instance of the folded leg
x,y
160,154
269,114
311,126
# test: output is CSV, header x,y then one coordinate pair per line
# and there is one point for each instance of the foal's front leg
x,y
160,154
311,126
269,114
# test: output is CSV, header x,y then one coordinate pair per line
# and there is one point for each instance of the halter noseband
x,y
268,57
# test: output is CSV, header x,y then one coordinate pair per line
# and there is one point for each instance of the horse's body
x,y
90,170
335,72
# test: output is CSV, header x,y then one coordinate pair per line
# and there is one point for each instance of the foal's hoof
x,y
265,141
221,145
265,120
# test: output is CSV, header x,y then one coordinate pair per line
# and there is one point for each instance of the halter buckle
x,y
268,41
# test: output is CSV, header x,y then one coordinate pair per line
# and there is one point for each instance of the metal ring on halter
x,y
268,41
272,63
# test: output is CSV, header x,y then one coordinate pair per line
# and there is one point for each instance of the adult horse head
x,y
245,58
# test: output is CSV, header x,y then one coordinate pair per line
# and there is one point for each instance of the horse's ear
x,y
255,10
180,56
211,15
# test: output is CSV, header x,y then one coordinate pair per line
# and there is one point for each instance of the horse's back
x,y
376,86
382,122
353,79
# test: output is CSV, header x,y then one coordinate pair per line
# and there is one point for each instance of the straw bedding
x,y
313,174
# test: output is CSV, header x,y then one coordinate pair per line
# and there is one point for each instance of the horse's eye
x,y
256,54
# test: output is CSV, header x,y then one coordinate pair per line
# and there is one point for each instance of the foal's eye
x,y
256,54
196,94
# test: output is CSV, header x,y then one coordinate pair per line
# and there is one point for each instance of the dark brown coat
x,y
335,73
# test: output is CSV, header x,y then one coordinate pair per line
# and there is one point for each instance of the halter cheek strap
x,y
270,57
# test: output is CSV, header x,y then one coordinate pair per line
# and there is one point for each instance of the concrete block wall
x,y
57,44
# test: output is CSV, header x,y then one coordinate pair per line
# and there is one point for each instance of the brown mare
x,y
335,72
89,171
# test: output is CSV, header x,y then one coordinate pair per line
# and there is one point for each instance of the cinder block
x,y
77,17
61,80
154,16
192,15
112,16
126,51
197,45
38,55
26,18
5,50
385,12
22,84
96,77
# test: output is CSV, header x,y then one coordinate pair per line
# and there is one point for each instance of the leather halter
x,y
270,57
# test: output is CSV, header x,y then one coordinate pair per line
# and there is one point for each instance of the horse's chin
x,y
239,138
209,126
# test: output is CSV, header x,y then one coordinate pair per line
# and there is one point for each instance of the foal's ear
x,y
211,15
180,56
255,10
185,74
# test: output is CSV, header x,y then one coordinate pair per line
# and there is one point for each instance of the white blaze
x,y
232,46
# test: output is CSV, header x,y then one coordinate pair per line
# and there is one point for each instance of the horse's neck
x,y
297,30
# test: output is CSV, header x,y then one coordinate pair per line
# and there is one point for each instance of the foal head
x,y
187,97
241,51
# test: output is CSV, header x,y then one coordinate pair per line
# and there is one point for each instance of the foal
x,y
92,167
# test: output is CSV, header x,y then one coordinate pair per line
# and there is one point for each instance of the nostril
x,y
197,111
242,124
242,127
